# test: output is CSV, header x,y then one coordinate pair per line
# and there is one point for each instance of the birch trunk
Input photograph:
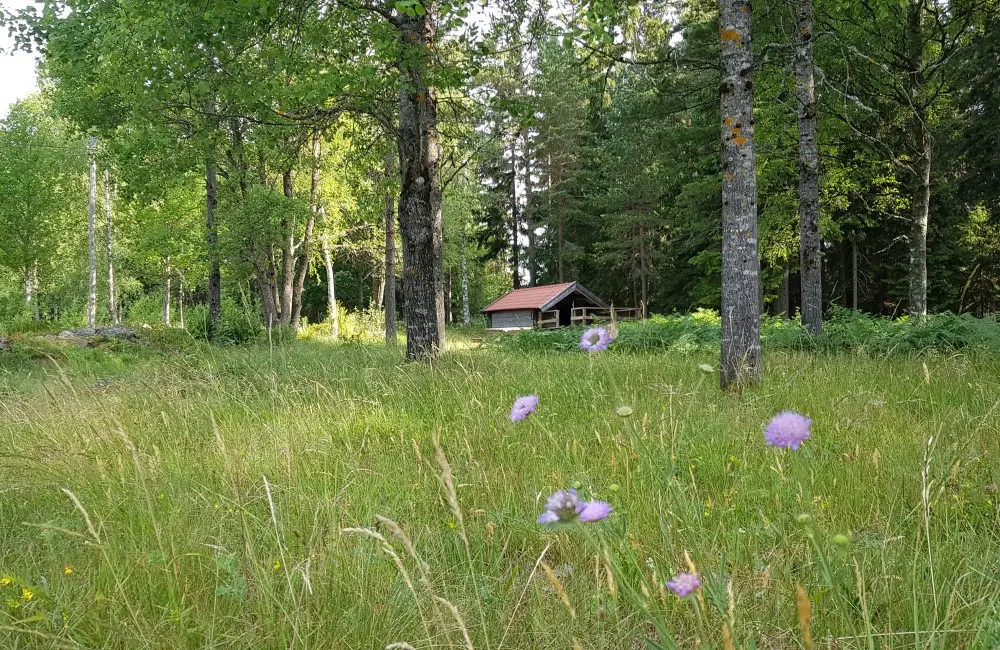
x,y
180,298
390,259
529,214
740,262
287,255
36,292
643,272
166,292
28,287
109,241
920,200
92,237
378,288
331,287
466,317
515,220
212,246
449,315
810,260
305,248
419,198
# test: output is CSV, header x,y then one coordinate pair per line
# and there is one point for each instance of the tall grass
x,y
307,495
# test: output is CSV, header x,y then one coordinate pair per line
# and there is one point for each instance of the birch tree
x,y
92,237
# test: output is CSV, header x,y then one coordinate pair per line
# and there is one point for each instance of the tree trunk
x,y
287,254
643,272
92,238
810,261
212,247
920,199
274,286
109,240
921,203
559,209
180,298
419,198
466,317
529,214
740,262
515,220
269,310
166,292
35,291
390,258
854,272
783,294
378,287
28,287
305,248
449,315
331,289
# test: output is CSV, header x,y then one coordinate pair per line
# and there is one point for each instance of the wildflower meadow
x,y
302,495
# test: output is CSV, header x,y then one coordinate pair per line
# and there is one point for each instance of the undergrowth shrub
x,y
844,331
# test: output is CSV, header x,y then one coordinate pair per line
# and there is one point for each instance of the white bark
x,y
331,285
109,240
92,237
166,292
466,317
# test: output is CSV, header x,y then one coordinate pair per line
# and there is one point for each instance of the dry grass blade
x,y
554,581
802,607
727,638
448,479
520,598
86,517
458,619
398,532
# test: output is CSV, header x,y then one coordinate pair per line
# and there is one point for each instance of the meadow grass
x,y
199,498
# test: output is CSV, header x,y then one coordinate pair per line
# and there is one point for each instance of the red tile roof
x,y
530,298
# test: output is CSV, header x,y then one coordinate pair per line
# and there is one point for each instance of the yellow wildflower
x,y
4,581
26,593
277,566
68,570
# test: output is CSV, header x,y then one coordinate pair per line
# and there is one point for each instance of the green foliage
x,y
845,332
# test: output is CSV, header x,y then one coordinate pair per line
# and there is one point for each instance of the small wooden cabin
x,y
549,306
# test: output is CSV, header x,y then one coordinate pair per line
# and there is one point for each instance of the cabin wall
x,y
514,319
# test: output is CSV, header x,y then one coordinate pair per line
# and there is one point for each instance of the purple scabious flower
x,y
523,407
565,507
787,429
684,584
595,339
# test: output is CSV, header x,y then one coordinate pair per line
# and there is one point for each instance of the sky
x,y
17,70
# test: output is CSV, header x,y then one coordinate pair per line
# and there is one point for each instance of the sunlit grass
x,y
218,484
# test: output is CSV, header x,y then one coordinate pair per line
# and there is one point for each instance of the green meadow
x,y
314,495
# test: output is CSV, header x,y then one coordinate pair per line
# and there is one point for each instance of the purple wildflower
x,y
788,430
684,584
565,507
595,511
523,407
595,339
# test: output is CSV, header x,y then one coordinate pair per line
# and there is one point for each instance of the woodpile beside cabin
x,y
550,306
